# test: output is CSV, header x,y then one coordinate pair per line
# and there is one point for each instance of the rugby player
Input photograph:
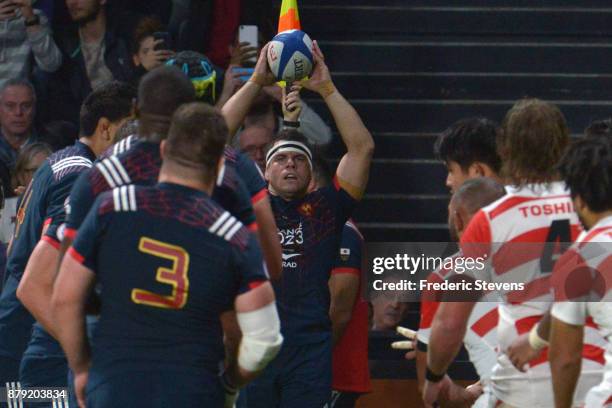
x,y
481,337
537,209
169,261
586,170
42,210
310,226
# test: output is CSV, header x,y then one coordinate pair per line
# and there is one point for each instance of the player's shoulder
x,y
118,199
599,233
72,159
521,195
120,147
350,230
223,225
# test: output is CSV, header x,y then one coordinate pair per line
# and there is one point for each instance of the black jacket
x,y
70,85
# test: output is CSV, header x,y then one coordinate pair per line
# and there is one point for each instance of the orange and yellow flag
x,y
289,18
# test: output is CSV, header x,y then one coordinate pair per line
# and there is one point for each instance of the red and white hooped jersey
x,y
481,337
589,314
510,233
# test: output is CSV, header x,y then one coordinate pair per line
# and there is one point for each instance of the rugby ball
x,y
290,55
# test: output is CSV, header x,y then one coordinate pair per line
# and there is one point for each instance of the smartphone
x,y
165,43
245,73
249,34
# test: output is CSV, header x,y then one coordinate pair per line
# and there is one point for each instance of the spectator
x,y
25,32
254,142
599,128
17,100
93,56
387,308
201,73
264,113
211,25
28,161
144,53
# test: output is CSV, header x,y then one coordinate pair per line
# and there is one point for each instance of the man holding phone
x,y
25,31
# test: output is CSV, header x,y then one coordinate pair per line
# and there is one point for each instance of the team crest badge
x,y
345,253
306,209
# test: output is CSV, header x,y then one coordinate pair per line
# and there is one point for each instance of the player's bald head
x,y
160,93
475,194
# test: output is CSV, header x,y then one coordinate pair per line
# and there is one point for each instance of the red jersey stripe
x,y
75,255
55,244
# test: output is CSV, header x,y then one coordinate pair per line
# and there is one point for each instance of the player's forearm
x,y
70,317
444,343
340,316
37,299
237,107
565,356
421,366
565,376
355,135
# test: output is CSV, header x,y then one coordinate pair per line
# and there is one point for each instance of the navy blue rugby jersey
x,y
138,162
42,206
169,261
309,230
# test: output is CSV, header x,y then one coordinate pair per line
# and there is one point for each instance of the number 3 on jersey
x,y
176,276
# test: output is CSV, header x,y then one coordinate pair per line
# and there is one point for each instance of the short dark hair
x,y
586,169
533,138
467,141
145,27
197,137
112,101
599,128
161,91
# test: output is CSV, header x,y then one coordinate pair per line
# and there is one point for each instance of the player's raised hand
x,y
261,73
292,103
320,79
409,344
521,353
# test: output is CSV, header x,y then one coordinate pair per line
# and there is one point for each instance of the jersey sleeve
x,y
84,247
80,201
234,197
429,307
476,242
343,203
57,206
349,253
249,265
570,312
252,177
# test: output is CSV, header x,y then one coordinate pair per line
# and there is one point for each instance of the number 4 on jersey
x,y
559,236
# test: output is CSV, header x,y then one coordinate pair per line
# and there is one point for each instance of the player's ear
x,y
103,129
579,204
477,169
459,221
